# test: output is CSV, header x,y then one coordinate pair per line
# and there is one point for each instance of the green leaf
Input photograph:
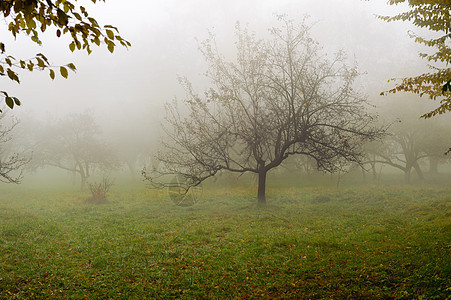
x,y
12,75
62,17
10,102
52,74
111,47
93,22
112,27
43,57
30,66
72,67
83,11
77,15
31,23
72,46
16,101
41,63
36,40
446,87
110,34
63,72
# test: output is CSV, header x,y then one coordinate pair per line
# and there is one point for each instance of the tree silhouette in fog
x,y
11,160
280,97
73,144
410,141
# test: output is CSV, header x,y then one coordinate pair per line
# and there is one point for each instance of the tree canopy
x,y
33,17
73,144
410,143
436,84
280,97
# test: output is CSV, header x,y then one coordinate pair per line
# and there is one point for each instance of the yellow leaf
x,y
63,72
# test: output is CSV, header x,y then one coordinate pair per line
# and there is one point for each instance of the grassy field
x,y
308,243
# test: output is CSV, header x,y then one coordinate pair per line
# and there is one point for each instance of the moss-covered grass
x,y
362,242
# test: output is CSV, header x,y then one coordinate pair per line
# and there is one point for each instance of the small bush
x,y
99,191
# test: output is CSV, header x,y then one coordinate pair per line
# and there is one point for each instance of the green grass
x,y
308,243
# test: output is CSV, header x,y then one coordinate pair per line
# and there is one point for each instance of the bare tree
x,y
402,151
74,145
11,161
280,97
410,140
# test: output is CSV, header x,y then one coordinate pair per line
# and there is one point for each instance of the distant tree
x,y
435,142
281,97
11,161
410,141
72,144
402,150
33,17
372,151
435,16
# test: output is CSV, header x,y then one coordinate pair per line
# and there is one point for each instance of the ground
x,y
369,242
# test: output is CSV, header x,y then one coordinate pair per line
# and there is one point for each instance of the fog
x,y
126,91
273,184
132,84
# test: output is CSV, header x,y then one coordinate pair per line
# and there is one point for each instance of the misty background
x,y
126,91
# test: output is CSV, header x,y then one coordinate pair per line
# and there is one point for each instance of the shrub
x,y
99,191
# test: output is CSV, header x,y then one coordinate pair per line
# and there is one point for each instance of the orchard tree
x,y
435,16
372,156
410,141
32,18
402,150
12,162
436,142
280,97
72,144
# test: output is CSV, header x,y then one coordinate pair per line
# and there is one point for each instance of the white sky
x,y
130,86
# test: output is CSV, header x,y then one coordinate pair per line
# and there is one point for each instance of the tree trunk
x,y
83,181
407,175
262,187
373,169
83,176
418,170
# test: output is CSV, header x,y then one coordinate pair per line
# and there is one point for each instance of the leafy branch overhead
x,y
435,16
33,17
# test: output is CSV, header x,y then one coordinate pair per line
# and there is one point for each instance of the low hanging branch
x,y
34,17
435,16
